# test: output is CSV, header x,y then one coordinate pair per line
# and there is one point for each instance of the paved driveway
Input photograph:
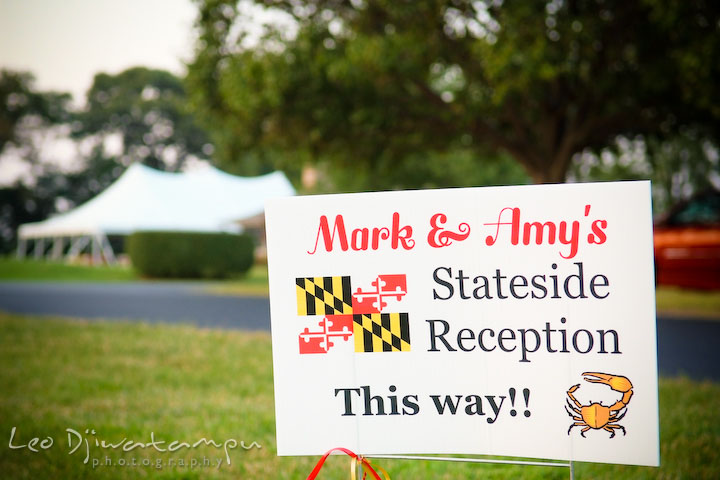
x,y
161,302
685,346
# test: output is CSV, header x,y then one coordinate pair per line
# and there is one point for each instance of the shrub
x,y
190,254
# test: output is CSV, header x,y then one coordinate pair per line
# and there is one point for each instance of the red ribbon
x,y
356,458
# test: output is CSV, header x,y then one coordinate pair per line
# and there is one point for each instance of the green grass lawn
x,y
126,380
679,302
39,270
255,283
12,269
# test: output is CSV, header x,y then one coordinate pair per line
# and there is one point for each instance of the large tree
x,y
144,113
21,105
24,111
378,82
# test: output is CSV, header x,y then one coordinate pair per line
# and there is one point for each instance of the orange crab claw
x,y
616,382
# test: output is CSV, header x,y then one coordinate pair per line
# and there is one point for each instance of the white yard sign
x,y
514,321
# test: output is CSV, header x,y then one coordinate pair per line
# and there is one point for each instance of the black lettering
x,y
494,406
438,280
461,338
604,283
480,339
393,401
474,405
485,287
447,403
575,342
379,403
548,337
616,341
523,343
433,336
513,286
563,334
502,338
461,282
555,282
498,279
347,399
540,286
410,405
581,283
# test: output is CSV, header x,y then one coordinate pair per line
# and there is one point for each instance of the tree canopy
x,y
20,101
147,110
24,110
379,82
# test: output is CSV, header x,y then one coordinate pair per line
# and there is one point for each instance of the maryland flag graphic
x,y
323,296
381,332
362,314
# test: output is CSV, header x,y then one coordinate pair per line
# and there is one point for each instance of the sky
x,y
64,43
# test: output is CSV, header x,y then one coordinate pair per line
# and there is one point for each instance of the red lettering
x,y
379,234
514,222
547,232
574,239
440,237
598,235
360,238
328,238
401,235
539,232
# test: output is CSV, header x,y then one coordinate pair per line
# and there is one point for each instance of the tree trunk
x,y
552,170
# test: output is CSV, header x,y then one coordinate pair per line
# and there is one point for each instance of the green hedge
x,y
190,254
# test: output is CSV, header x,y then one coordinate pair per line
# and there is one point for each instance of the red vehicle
x,y
687,243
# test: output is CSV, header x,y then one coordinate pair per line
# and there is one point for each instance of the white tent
x,y
205,200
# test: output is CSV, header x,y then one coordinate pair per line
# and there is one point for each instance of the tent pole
x,y
21,248
39,248
107,250
77,246
95,248
57,248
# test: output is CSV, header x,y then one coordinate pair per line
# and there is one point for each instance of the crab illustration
x,y
596,415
